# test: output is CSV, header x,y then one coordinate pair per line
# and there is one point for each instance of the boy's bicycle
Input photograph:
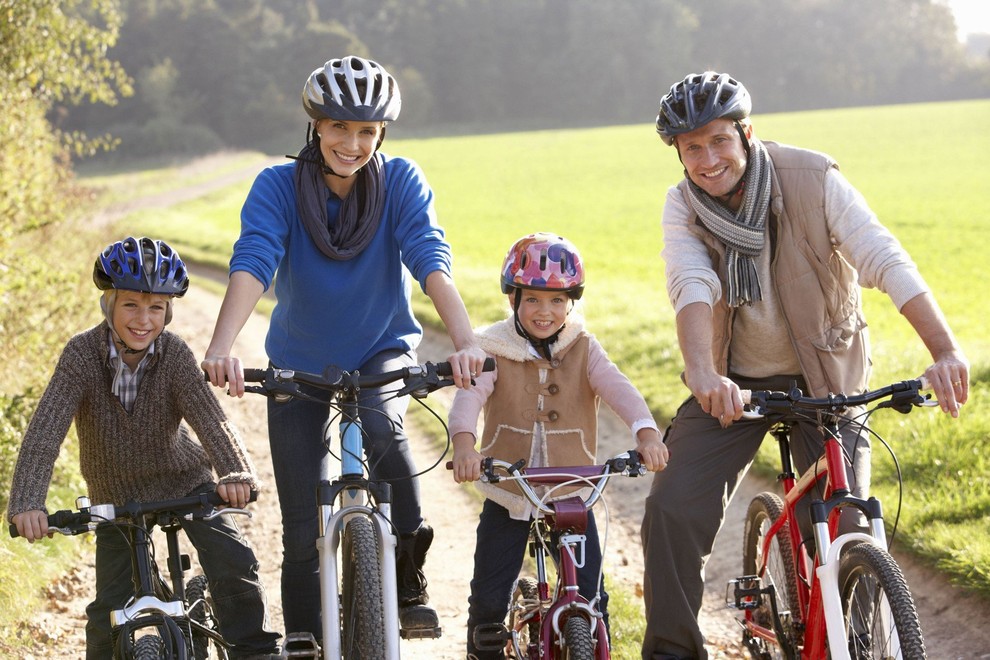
x,y
357,543
165,619
846,598
561,625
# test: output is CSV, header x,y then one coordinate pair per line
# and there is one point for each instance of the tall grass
x,y
922,169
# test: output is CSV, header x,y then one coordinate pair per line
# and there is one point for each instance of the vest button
x,y
554,388
553,416
555,363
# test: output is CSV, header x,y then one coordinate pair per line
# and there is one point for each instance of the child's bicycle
x,y
357,542
846,598
165,619
562,625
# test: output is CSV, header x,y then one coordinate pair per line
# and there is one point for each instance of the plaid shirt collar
x,y
126,382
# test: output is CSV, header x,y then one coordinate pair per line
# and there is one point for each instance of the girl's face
x,y
542,313
348,145
139,317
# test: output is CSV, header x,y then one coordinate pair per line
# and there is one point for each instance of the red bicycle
x,y
562,624
846,597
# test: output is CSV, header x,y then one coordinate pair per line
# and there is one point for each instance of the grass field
x,y
922,169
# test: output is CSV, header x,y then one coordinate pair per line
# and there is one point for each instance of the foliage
x,y
234,68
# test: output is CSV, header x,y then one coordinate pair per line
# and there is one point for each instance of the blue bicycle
x,y
357,541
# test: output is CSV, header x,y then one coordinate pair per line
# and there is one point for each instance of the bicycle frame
x,y
817,591
567,517
356,495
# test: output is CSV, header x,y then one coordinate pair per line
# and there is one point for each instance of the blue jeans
x,y
498,557
229,564
296,431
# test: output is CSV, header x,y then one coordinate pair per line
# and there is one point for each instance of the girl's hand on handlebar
x,y
467,460
650,446
32,525
235,493
466,364
225,370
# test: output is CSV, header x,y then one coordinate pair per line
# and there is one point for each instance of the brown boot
x,y
416,618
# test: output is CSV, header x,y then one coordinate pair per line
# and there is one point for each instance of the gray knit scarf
x,y
360,212
741,231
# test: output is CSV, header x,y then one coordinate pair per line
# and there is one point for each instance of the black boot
x,y
416,619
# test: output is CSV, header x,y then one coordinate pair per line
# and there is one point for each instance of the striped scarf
x,y
741,231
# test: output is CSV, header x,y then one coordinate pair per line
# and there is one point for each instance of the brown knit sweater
x,y
145,455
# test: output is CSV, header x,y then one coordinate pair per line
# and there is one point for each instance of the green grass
x,y
921,167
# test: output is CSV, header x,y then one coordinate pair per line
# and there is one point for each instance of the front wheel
x,y
878,611
578,644
149,647
363,606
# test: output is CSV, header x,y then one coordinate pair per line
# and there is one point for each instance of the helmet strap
x,y
542,346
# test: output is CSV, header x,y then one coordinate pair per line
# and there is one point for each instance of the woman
x,y
346,228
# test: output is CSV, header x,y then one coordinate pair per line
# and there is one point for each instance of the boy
x,y
129,385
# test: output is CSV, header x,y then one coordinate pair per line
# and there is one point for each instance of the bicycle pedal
x,y
300,645
491,637
421,633
744,593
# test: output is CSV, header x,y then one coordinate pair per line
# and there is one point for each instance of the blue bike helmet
x,y
700,99
352,89
141,264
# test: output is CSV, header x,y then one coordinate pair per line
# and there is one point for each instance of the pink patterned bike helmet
x,y
546,262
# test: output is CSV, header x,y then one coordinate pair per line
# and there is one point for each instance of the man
x,y
766,247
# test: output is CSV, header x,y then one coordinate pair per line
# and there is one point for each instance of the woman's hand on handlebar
x,y
224,370
467,460
653,452
466,364
32,525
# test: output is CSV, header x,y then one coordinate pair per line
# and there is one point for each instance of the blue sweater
x,y
331,312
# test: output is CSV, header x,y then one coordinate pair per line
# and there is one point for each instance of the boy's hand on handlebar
x,y
224,370
32,525
236,494
650,446
466,364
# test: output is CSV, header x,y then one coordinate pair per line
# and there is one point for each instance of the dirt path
x,y
955,626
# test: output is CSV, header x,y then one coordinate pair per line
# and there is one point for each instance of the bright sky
x,y
971,16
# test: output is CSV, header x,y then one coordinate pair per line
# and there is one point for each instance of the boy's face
x,y
139,317
542,313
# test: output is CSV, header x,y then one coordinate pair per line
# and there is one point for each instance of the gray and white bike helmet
x,y
700,99
352,89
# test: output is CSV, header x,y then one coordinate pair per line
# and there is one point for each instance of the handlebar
x,y
594,476
419,380
901,396
203,506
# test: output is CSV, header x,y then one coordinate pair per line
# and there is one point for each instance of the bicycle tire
x,y
363,604
868,573
149,647
199,604
578,644
764,510
525,599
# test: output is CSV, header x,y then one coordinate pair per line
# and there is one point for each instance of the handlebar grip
x,y
449,465
443,368
255,375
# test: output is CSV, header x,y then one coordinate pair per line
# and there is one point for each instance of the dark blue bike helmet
x,y
700,99
352,89
141,264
